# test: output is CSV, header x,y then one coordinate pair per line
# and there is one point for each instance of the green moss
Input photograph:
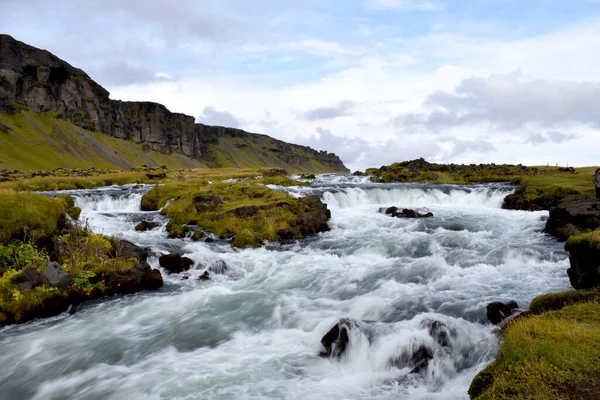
x,y
556,301
30,216
551,356
591,239
251,212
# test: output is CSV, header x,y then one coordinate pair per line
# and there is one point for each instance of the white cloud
x,y
382,5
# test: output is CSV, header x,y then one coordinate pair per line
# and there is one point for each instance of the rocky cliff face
x,y
36,80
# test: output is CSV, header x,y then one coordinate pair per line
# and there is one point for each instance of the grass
x,y
557,301
555,355
251,213
43,142
592,239
33,216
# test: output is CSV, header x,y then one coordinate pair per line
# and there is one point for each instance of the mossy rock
x,y
557,301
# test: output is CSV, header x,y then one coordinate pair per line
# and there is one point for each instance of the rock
x,y
146,226
275,172
209,240
584,272
575,215
311,218
125,281
26,279
440,332
497,311
391,210
244,212
54,275
336,340
197,236
125,249
218,267
174,263
308,176
417,359
206,203
205,276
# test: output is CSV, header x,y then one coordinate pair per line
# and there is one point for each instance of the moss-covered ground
x,y
549,356
31,227
249,212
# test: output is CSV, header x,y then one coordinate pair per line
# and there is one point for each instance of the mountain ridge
x,y
36,80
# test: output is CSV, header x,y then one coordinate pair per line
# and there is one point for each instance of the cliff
x,y
35,80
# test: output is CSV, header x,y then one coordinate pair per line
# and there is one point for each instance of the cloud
x,y
508,102
343,108
122,74
210,116
551,137
423,5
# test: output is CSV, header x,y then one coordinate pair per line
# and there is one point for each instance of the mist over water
x,y
254,332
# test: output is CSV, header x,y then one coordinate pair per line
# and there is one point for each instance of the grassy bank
x,y
552,354
35,230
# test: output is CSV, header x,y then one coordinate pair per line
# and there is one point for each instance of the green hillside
x,y
30,141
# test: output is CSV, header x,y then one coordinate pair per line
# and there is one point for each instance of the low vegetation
x,y
552,354
37,229
247,212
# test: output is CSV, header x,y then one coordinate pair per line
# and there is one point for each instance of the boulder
x,y
205,276
311,218
125,281
440,332
498,311
54,275
575,215
336,340
405,213
26,279
146,226
174,263
584,272
125,249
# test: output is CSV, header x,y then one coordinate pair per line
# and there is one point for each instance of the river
x,y
254,331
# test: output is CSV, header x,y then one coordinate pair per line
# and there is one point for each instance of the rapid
x,y
254,332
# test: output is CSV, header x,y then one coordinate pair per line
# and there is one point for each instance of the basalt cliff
x,y
34,80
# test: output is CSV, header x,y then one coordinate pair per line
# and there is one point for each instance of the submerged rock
x,y
54,275
218,267
174,263
146,226
406,213
336,340
205,276
498,311
415,359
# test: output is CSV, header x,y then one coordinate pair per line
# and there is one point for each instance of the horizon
x,y
376,82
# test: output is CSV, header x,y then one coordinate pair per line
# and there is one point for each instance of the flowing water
x,y
254,332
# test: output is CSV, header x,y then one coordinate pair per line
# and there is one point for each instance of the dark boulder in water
x,y
337,339
417,359
174,263
498,311
406,213
218,267
124,249
205,276
146,226
126,281
440,332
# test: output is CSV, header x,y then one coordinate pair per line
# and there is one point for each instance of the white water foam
x,y
254,332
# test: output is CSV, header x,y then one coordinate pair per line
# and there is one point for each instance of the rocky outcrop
x,y
36,80
584,257
311,217
574,216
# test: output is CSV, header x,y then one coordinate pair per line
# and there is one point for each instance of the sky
x,y
373,81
